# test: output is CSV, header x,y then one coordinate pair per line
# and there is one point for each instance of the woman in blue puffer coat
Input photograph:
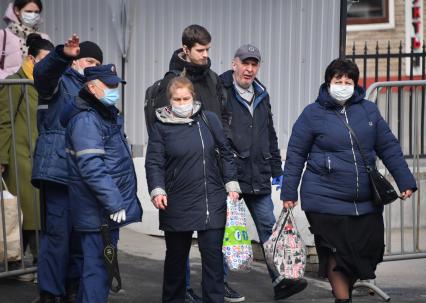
x,y
187,186
335,190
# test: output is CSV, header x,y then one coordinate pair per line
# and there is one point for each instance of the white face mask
x,y
30,19
183,111
341,93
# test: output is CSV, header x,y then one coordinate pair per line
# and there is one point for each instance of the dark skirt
x,y
356,242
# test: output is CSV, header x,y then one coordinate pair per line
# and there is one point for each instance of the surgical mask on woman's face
x,y
341,93
30,19
183,111
111,96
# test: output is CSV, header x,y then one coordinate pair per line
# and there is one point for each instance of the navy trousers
x,y
178,245
60,256
94,287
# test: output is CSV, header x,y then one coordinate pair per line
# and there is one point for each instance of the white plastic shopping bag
x,y
285,251
9,204
236,247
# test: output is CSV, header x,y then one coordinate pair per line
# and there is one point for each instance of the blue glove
x,y
277,181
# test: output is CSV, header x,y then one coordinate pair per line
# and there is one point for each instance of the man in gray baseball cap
x,y
253,137
248,51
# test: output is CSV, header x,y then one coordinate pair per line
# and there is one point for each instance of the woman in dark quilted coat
x,y
335,190
189,189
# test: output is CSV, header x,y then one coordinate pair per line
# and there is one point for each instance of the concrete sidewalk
x,y
141,265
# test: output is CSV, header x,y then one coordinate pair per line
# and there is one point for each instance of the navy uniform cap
x,y
105,73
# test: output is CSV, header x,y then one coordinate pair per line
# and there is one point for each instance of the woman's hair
x,y
342,67
180,82
36,43
20,4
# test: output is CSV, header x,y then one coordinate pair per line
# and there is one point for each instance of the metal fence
x,y
405,221
20,262
379,65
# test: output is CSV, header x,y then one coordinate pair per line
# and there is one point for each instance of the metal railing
x,y
22,85
372,64
405,221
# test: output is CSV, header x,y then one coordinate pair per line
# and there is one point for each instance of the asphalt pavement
x,y
141,265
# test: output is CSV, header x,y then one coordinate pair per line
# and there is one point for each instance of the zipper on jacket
x,y
205,175
355,162
329,164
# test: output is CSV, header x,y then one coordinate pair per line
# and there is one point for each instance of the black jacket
x,y
252,138
181,163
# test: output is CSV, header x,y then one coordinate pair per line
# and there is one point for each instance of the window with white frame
x,y
370,14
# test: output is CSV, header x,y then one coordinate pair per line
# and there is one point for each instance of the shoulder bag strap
x,y
207,122
3,52
358,144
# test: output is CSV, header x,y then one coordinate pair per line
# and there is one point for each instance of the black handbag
x,y
381,189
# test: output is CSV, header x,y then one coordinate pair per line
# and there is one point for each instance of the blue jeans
x,y
261,209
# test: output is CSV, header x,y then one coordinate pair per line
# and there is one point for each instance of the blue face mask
x,y
112,96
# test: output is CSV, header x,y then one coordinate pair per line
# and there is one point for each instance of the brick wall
x,y
392,36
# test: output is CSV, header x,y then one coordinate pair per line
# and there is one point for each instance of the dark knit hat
x,y
89,49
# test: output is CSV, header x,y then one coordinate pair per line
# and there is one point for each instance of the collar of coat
x,y
195,72
327,101
75,75
228,81
165,114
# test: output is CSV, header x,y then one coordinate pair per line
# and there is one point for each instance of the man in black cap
x,y
102,177
57,78
252,136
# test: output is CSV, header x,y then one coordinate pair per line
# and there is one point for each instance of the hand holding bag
x,y
236,247
381,189
285,252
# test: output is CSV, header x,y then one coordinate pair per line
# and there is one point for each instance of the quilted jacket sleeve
x,y
155,160
389,151
48,72
88,149
298,149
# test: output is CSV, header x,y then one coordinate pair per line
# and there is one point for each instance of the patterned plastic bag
x,y
285,251
236,247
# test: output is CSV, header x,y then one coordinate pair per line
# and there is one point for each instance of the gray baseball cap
x,y
248,51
